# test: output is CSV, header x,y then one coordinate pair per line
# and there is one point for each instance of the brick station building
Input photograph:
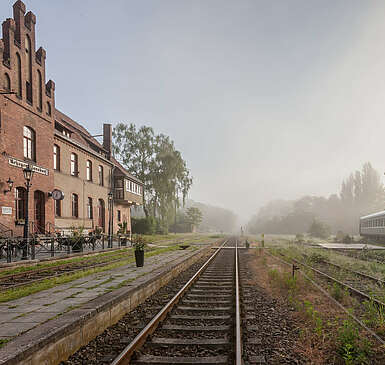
x,y
62,153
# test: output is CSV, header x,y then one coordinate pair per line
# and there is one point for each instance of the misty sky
x,y
265,99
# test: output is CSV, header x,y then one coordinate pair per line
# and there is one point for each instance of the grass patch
x,y
3,342
49,283
94,259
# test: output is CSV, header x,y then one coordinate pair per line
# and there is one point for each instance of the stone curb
x,y
59,338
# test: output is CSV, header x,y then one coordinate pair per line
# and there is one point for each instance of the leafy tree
x,y
194,217
319,229
154,160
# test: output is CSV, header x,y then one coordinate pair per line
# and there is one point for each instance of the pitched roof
x,y
82,136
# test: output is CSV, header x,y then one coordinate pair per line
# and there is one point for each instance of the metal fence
x,y
19,248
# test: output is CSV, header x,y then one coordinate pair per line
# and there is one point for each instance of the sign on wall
x,y
6,210
21,164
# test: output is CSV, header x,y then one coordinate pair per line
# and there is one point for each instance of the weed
x,y
336,292
351,347
3,342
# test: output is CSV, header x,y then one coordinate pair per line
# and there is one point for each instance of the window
x,y
119,216
29,143
57,208
20,203
75,205
40,91
18,76
90,214
101,176
89,170
48,108
74,164
56,157
7,82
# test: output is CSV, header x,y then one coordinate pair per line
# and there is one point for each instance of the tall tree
x,y
154,160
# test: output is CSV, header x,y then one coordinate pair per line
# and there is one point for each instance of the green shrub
x,y
143,225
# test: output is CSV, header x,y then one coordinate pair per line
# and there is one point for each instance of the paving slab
x,y
21,315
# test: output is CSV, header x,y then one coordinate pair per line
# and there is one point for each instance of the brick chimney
x,y
107,137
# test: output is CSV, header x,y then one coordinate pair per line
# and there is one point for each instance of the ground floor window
x,y
57,208
20,203
75,206
119,216
89,209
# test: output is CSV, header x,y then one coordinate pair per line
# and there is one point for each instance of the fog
x,y
265,99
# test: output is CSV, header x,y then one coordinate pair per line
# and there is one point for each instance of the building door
x,y
101,215
39,207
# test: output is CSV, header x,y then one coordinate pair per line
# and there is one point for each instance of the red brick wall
x,y
15,113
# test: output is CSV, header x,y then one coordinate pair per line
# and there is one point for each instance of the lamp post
x,y
28,173
110,218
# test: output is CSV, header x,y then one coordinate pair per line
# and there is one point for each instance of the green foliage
x,y
316,257
319,229
299,238
123,228
375,316
314,316
337,292
347,239
144,225
194,217
154,160
350,346
138,243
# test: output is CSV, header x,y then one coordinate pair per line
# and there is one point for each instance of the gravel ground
x,y
266,322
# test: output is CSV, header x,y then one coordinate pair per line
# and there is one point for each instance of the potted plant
x,y
77,239
139,246
98,233
123,232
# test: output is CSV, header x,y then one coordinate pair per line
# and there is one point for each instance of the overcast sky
x,y
265,99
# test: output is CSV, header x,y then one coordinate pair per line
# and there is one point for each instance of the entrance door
x,y
101,214
39,206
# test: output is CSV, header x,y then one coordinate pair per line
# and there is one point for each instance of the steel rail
x,y
352,289
358,273
125,356
238,339
348,312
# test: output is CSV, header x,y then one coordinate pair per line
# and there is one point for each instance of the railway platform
x,y
31,322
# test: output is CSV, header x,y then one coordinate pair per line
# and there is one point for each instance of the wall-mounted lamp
x,y
10,186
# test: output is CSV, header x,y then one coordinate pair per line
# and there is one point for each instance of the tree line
x,y
361,193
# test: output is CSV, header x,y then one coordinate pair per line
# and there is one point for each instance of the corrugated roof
x,y
374,215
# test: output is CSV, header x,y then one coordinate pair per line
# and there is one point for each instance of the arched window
x,y
18,77
29,143
89,170
48,108
101,175
74,164
40,91
7,82
20,202
28,82
75,205
56,157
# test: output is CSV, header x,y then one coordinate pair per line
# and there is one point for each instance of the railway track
x,y
200,324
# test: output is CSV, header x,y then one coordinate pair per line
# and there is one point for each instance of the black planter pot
x,y
139,258
123,241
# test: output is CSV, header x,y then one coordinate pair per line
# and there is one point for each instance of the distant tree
x,y
194,217
319,229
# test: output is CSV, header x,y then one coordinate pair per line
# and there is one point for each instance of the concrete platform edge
x,y
59,338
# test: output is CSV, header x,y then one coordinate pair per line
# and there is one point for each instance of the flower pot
x,y
139,258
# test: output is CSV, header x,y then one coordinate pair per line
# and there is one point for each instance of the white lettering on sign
x,y
6,210
21,164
